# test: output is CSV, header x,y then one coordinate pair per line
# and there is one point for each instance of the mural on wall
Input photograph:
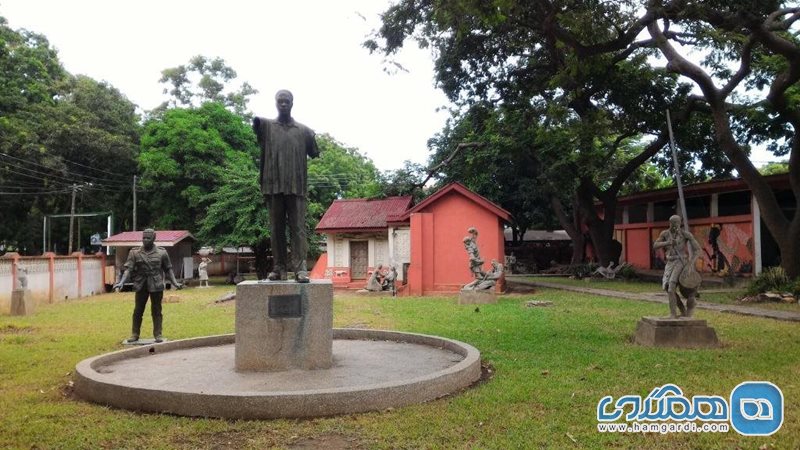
x,y
727,248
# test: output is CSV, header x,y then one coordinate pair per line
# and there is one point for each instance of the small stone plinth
x,y
681,333
477,297
282,325
21,302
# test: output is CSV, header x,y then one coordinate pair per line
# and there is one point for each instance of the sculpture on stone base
x,y
679,272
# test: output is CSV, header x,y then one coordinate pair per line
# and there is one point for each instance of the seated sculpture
x,y
374,283
489,279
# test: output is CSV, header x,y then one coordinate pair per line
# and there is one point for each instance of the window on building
x,y
698,207
734,203
637,213
663,210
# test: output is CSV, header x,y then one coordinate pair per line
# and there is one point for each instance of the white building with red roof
x,y
424,242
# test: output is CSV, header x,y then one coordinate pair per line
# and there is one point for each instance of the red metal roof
x,y
704,188
362,214
163,238
460,189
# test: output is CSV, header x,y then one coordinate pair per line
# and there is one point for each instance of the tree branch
x,y
432,171
744,68
681,65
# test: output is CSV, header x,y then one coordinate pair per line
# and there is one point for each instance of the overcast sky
x,y
311,47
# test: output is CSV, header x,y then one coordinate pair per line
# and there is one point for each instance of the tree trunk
x,y
785,231
601,229
572,227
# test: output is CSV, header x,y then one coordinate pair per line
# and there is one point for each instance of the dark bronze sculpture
x,y
679,271
285,146
146,266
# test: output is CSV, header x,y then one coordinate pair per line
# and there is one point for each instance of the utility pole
x,y
134,203
72,217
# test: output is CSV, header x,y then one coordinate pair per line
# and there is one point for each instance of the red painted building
x,y
424,242
723,216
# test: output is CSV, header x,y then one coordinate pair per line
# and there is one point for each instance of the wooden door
x,y
358,260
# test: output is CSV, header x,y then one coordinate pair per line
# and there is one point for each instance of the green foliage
x,y
406,180
57,130
340,172
204,80
774,168
772,279
236,214
183,157
581,270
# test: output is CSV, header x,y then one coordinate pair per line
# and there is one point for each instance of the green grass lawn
x,y
551,366
601,283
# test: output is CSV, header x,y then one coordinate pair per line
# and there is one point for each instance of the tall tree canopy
x,y
183,153
205,79
749,83
572,89
57,130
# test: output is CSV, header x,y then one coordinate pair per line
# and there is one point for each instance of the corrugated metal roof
x,y
166,238
360,213
462,190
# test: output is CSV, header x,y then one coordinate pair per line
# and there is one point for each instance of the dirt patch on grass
x,y
327,441
216,440
13,329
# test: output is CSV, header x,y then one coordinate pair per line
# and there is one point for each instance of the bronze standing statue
x,y
147,265
285,146
679,270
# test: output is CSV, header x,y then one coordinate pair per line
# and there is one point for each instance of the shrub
x,y
628,273
772,279
581,270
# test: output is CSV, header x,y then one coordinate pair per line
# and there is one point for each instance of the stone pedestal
x,y
477,297
283,325
681,333
21,302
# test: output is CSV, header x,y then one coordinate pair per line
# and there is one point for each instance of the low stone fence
x,y
53,278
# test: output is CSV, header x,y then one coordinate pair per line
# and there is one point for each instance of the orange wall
x,y
735,242
439,262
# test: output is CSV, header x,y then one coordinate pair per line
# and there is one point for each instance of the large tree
x,y
57,130
749,83
205,79
574,69
183,153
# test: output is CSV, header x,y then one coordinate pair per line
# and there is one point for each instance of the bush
x,y
772,279
581,270
628,273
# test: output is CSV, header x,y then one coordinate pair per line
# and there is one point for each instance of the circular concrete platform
x,y
372,370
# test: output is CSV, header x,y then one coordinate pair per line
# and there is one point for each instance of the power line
x,y
104,180
62,191
56,178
